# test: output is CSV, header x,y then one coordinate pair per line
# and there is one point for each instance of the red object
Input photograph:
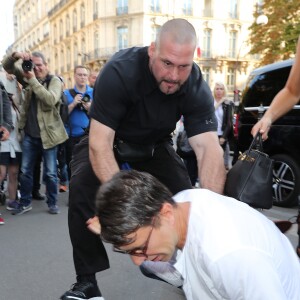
x,y
198,52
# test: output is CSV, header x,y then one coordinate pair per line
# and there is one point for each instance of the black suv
x,y
284,136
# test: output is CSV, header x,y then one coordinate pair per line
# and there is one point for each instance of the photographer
x,y
79,99
41,122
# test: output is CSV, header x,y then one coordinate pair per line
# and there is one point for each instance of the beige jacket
x,y
52,129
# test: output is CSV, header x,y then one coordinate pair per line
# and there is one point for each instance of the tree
x,y
277,39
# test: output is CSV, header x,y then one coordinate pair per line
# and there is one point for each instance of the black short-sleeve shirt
x,y
128,100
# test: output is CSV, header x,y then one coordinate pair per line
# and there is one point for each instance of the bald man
x,y
139,96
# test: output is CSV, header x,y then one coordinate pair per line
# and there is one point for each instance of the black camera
x,y
85,98
27,65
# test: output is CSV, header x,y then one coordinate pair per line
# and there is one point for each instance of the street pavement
x,y
36,259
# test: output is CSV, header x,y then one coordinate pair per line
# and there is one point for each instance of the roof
x,y
274,66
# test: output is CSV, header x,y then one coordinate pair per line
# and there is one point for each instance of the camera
x,y
85,98
27,65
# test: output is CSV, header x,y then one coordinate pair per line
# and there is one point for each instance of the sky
x,y
6,25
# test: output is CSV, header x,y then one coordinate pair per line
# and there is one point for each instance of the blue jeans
x,y
32,148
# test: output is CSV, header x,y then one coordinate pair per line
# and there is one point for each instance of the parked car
x,y
284,136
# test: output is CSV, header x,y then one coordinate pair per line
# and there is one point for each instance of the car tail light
x,y
236,118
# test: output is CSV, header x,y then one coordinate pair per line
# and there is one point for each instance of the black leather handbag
x,y
250,178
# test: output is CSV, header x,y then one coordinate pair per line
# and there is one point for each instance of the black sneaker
x,y
83,290
36,195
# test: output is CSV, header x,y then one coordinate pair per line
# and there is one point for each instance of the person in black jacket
x,y
6,124
224,114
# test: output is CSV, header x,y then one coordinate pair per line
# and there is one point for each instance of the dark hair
x,y
128,202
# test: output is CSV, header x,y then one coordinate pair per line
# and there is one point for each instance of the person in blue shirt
x,y
79,99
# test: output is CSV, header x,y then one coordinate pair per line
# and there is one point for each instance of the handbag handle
x,y
256,142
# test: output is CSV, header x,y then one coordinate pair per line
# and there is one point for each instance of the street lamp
x,y
262,20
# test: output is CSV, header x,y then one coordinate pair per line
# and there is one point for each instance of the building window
x,y
206,74
61,29
74,20
46,29
206,47
233,9
187,7
75,54
62,61
56,63
122,33
96,7
232,44
207,12
68,58
82,15
38,35
122,7
68,25
84,55
230,79
155,6
154,32
96,45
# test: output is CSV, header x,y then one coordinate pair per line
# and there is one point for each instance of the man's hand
x,y
5,133
94,225
221,141
24,56
86,105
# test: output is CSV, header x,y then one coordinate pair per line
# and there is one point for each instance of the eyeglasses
x,y
138,252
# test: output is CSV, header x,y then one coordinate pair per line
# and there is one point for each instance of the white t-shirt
x,y
219,115
234,252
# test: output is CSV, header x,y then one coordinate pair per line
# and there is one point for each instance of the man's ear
x,y
151,49
167,212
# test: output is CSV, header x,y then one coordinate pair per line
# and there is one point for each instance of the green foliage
x,y
277,39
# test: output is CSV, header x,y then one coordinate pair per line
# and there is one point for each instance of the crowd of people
x,y
128,184
38,135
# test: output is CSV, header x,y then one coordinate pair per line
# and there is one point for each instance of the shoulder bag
x,y
250,178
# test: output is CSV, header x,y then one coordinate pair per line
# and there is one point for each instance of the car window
x,y
262,88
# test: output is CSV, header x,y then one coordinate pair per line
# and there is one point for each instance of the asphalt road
x,y
36,259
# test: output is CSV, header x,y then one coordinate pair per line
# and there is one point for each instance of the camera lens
x,y
27,65
86,98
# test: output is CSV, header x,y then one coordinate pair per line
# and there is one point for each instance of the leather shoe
x,y
38,196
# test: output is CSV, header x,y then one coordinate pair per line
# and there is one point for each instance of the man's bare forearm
x,y
104,164
212,173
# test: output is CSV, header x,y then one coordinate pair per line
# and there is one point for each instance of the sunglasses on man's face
x,y
138,252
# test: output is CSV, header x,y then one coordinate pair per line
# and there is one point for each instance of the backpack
x,y
63,107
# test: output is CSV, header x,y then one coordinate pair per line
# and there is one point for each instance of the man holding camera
x,y
79,99
41,122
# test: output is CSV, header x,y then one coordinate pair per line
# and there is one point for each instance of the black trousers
x,y
89,254
69,146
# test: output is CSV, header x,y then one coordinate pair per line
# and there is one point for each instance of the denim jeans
x,y
32,148
62,165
